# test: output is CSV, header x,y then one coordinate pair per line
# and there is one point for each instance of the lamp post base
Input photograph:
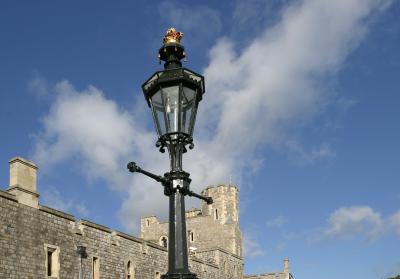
x,y
179,276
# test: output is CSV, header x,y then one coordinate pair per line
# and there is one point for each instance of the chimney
x,y
286,265
23,181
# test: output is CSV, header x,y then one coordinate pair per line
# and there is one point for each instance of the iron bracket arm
x,y
208,200
132,167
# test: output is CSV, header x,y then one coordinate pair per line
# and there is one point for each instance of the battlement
x,y
225,207
220,187
221,219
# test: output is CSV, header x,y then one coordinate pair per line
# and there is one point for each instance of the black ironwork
x,y
176,182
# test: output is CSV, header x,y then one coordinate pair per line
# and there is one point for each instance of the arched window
x,y
164,241
147,222
130,271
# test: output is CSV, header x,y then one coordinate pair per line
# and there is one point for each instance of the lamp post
x,y
173,95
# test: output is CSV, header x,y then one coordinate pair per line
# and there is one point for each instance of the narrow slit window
x,y
130,272
216,214
52,261
164,241
49,263
96,268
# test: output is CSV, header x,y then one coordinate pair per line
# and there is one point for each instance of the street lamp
x,y
173,95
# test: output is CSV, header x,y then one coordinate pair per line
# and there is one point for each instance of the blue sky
x,y
300,111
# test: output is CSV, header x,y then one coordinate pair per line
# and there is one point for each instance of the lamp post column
x,y
178,266
173,95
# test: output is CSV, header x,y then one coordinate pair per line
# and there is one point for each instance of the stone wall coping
x,y
189,217
95,225
8,196
195,259
249,276
220,185
221,250
149,216
193,209
22,189
157,246
24,161
197,216
140,240
57,212
129,237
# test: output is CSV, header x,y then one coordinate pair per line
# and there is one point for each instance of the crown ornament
x,y
172,36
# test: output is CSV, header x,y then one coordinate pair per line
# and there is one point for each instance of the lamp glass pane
x,y
158,112
170,96
188,103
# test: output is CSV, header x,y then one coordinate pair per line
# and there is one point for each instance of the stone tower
x,y
225,207
225,211
215,226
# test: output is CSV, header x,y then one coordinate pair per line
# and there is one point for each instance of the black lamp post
x,y
173,96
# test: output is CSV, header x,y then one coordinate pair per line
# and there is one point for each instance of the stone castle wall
x,y
29,230
25,231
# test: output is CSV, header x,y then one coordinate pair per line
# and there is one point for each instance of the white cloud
x,y
251,246
191,20
359,221
86,126
394,222
277,81
353,221
54,199
253,97
303,157
277,222
38,86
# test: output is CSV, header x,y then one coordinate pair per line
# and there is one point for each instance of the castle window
x,y
95,268
52,261
164,241
130,272
191,236
157,275
216,214
225,267
147,223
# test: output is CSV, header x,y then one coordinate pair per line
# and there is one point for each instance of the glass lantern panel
x,y
170,97
158,112
188,103
192,119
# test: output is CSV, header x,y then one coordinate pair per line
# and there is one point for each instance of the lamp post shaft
x,y
178,266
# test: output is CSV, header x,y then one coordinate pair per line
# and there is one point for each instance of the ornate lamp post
x,y
173,95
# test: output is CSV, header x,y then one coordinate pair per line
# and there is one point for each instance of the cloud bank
x,y
353,221
254,96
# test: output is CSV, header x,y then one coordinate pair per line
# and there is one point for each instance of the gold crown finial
x,y
172,36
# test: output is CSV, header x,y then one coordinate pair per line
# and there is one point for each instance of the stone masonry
x,y
40,242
